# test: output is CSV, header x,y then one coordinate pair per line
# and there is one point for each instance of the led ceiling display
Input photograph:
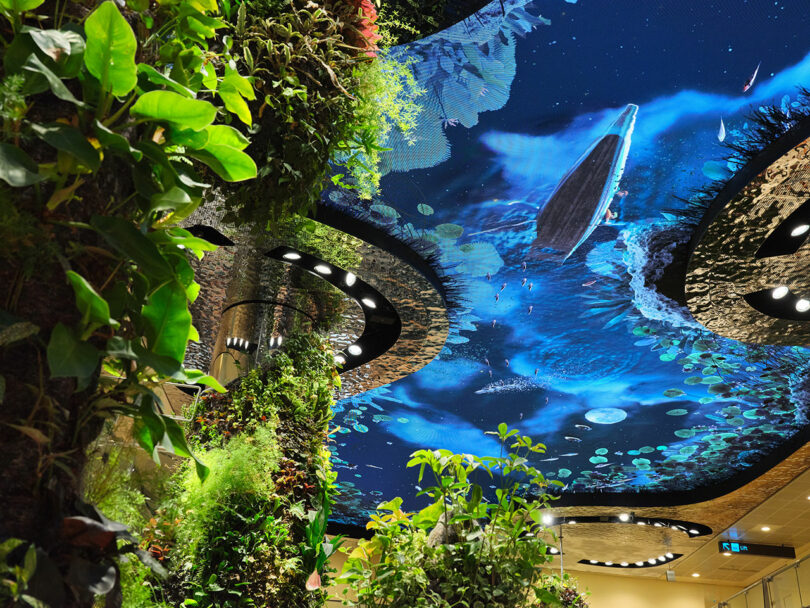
x,y
551,174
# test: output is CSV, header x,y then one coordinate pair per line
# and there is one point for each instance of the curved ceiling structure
x,y
556,175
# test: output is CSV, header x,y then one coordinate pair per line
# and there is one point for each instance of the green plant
x,y
254,531
478,553
388,97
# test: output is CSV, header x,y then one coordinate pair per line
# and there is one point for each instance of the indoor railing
x,y
788,587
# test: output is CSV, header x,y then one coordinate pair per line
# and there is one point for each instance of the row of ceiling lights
x,y
802,304
625,518
350,279
653,561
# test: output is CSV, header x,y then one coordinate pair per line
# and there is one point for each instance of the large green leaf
x,y
150,74
63,47
69,357
58,88
180,447
110,51
115,142
94,308
172,199
69,139
223,153
16,167
167,321
233,90
173,108
129,241
19,6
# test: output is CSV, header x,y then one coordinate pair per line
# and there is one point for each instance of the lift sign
x,y
727,546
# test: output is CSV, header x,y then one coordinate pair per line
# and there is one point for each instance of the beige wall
x,y
635,592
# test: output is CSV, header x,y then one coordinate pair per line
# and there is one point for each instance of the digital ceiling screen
x,y
551,169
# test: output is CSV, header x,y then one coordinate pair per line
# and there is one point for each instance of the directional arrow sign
x,y
741,547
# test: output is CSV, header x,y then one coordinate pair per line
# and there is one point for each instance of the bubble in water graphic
x,y
606,415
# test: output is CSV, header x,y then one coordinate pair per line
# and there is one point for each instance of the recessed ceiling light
x,y
321,268
641,523
354,350
572,521
675,527
669,555
799,230
624,517
657,524
803,305
350,278
368,302
693,531
624,564
608,563
661,558
554,550
639,563
695,574
291,256
727,554
765,528
651,560
779,292
593,561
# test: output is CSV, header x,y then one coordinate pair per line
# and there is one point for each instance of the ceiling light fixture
x,y
624,564
323,269
354,350
641,523
803,305
695,575
669,555
340,359
651,560
693,531
800,230
572,521
624,517
368,302
547,520
291,256
350,278
727,554
765,528
779,292
554,550
608,563
593,561
640,564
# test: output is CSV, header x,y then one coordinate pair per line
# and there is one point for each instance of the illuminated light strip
x,y
691,529
382,322
652,562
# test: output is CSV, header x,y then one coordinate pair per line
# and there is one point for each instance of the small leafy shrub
x,y
462,550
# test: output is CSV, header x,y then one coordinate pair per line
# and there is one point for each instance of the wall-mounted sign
x,y
728,546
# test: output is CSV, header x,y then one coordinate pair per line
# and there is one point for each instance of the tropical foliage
x,y
254,532
461,550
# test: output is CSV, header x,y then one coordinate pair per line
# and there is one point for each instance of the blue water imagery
x,y
560,330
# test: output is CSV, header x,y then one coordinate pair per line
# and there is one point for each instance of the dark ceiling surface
x,y
548,173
